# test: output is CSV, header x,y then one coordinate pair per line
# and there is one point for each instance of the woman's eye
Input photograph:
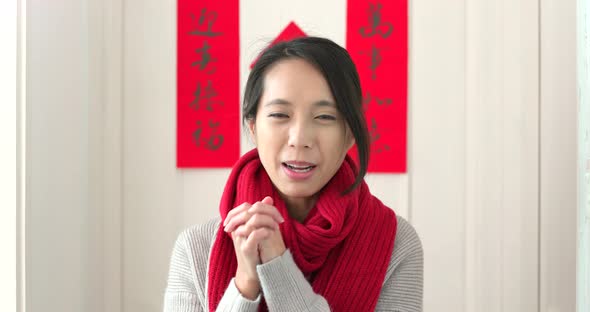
x,y
326,117
278,115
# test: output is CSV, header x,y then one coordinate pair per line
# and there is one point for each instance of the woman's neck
x,y
299,207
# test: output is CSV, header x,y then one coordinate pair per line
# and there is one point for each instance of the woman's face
x,y
301,136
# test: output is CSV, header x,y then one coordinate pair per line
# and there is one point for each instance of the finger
x,y
237,238
270,210
241,247
237,220
236,210
242,231
268,200
256,221
261,220
256,237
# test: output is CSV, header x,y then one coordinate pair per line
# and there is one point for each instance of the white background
x,y
8,154
491,179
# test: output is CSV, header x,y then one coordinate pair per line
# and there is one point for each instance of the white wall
x,y
489,184
62,244
558,156
583,86
9,156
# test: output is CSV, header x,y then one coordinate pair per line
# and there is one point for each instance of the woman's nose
x,y
300,135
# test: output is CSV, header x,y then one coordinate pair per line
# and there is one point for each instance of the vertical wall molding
x,y
558,156
22,156
583,245
502,156
113,84
437,127
95,225
63,261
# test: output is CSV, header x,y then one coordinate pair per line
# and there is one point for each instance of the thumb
x,y
267,201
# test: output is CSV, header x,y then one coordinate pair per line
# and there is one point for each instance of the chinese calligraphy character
x,y
205,57
214,141
375,135
211,17
367,99
206,94
377,27
375,60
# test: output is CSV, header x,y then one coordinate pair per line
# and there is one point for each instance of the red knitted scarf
x,y
345,243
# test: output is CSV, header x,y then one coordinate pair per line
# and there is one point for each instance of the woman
x,y
299,229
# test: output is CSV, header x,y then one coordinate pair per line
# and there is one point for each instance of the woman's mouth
x,y
298,170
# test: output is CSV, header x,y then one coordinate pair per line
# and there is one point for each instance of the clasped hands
x,y
257,239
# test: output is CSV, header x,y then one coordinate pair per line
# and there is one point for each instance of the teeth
x,y
299,169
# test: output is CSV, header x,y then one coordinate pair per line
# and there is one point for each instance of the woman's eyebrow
x,y
278,102
320,103
324,103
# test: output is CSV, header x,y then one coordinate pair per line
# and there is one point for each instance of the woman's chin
x,y
297,192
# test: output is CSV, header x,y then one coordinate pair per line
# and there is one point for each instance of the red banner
x,y
377,40
208,94
292,31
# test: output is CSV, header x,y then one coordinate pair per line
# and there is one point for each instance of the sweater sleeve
x,y
186,290
286,289
402,288
233,300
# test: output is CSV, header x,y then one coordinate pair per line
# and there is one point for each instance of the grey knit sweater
x,y
284,286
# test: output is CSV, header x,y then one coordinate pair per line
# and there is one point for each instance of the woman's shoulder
x,y
200,236
192,248
406,235
407,245
404,279
188,264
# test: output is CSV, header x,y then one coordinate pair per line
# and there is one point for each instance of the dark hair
x,y
335,64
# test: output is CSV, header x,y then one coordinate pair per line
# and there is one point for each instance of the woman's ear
x,y
349,138
351,141
252,128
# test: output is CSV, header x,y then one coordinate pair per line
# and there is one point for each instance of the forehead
x,y
295,80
